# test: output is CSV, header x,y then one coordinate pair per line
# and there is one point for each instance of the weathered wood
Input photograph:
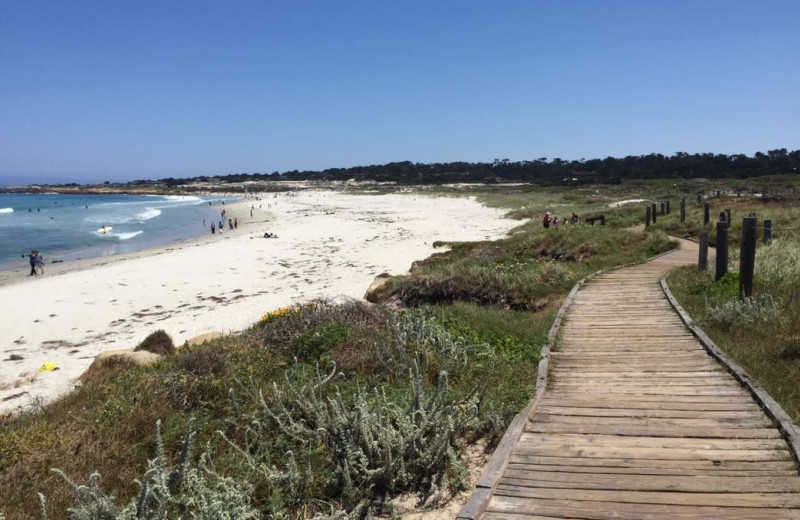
x,y
504,507
722,248
695,484
776,500
639,421
747,257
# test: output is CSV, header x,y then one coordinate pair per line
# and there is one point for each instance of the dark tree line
x,y
544,171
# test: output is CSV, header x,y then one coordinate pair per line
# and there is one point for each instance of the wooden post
x,y
767,232
603,219
702,261
683,210
747,258
706,215
668,212
722,248
728,217
699,199
653,212
647,218
663,209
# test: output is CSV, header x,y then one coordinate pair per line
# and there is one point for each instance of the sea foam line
x,y
6,210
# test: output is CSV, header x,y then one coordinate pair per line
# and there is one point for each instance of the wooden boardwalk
x,y
639,422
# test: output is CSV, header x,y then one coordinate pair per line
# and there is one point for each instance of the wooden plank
x,y
668,422
685,432
685,484
753,415
674,470
654,453
648,402
771,500
504,507
539,439
628,463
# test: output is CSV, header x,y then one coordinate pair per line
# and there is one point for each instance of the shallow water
x,y
68,227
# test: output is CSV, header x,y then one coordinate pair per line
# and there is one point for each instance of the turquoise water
x,y
67,227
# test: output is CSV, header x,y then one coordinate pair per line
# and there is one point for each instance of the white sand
x,y
330,244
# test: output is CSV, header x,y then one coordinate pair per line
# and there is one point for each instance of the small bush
x,y
735,312
159,342
312,344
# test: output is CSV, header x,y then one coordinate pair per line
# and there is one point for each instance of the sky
x,y
94,91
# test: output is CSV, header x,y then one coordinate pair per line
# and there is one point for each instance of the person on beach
x,y
32,258
236,223
546,220
39,262
213,228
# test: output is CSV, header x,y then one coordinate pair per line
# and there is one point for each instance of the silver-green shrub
x,y
419,342
166,491
377,446
734,312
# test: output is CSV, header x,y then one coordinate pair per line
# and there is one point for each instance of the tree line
x,y
541,171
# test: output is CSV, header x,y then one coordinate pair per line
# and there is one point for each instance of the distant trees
x,y
542,171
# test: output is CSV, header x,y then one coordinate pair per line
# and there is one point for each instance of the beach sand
x,y
330,244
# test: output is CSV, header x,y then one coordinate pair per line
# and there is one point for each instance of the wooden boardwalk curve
x,y
639,422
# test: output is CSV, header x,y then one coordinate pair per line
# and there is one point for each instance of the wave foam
x,y
6,210
128,236
148,214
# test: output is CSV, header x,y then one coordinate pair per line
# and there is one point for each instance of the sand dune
x,y
330,244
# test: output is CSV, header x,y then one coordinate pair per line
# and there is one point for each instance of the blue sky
x,y
113,90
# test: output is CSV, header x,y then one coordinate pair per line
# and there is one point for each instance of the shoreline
x,y
331,245
20,274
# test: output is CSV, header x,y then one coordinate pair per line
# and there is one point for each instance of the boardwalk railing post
x,y
663,209
654,213
683,210
706,213
702,261
722,248
767,232
647,218
668,208
747,259
728,217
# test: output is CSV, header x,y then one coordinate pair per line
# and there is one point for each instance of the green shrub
x,y
158,342
312,344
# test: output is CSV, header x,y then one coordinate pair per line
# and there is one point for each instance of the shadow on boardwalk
x,y
639,422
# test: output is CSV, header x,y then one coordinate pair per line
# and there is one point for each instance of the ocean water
x,y
67,227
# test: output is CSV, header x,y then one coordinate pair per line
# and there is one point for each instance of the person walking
x,y
213,228
546,220
39,262
32,259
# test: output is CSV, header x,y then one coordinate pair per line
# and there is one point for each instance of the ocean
x,y
70,227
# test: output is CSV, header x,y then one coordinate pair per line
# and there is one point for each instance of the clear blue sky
x,y
123,90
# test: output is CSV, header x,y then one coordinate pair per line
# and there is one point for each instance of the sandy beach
x,y
330,244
